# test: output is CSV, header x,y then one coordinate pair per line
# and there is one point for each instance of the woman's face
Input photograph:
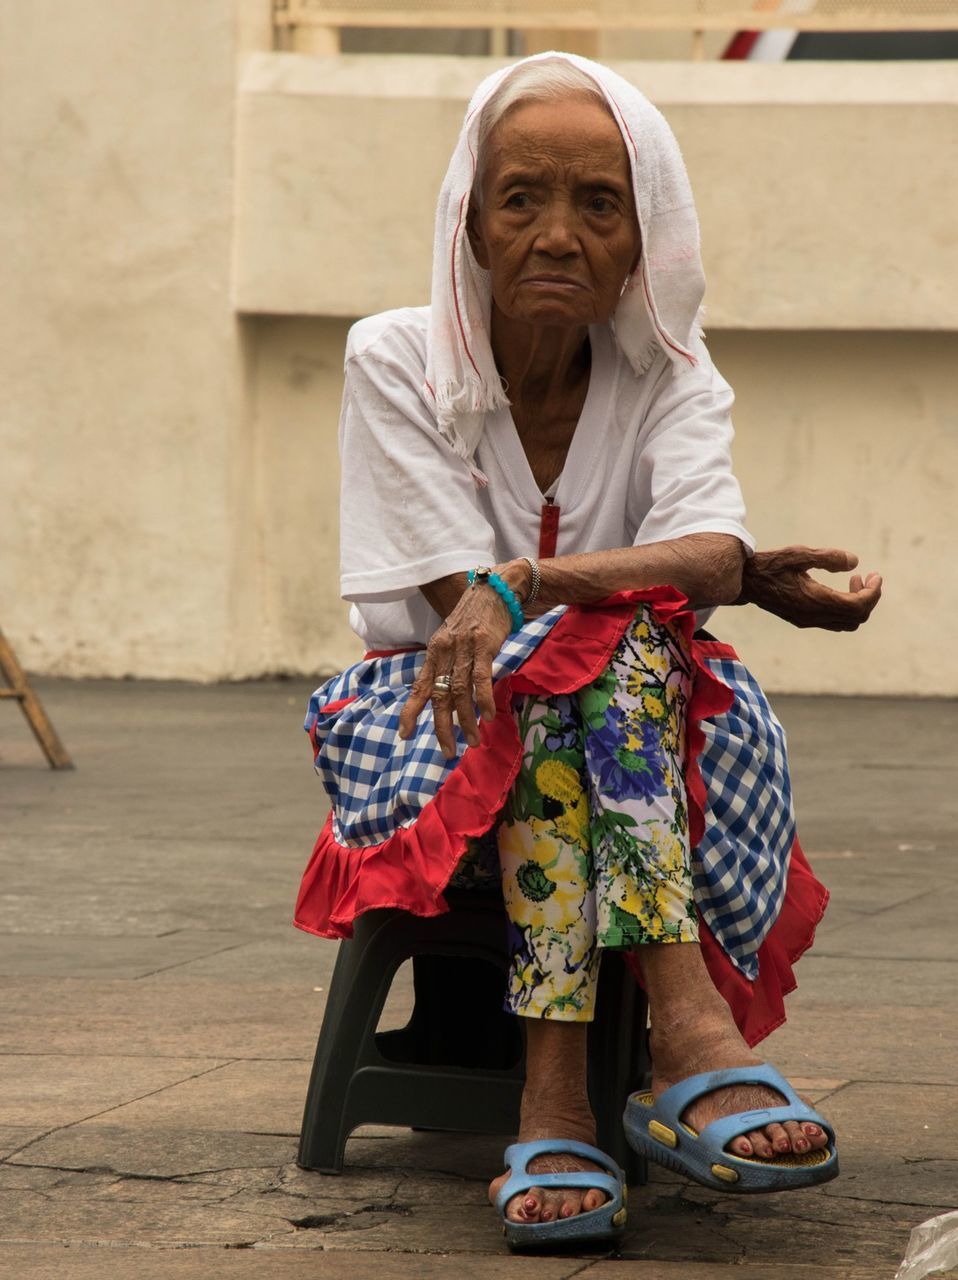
x,y
556,226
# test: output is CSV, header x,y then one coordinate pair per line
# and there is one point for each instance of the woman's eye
x,y
601,204
518,200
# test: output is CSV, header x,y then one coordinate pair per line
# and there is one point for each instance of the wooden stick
x,y
20,688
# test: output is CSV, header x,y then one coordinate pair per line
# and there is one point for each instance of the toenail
x,y
801,1144
812,1130
782,1144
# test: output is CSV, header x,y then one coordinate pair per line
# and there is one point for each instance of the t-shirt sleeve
x,y
408,512
684,482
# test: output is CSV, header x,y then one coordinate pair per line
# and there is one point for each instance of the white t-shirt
x,y
649,461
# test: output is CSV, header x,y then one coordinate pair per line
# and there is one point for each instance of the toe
x,y
816,1136
571,1205
778,1137
592,1200
760,1144
525,1207
796,1137
741,1146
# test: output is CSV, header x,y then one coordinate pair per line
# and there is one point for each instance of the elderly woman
x,y
538,501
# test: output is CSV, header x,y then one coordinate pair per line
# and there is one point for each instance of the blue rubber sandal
x,y
655,1130
605,1223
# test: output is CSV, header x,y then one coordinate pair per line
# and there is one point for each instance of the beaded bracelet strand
x,y
502,588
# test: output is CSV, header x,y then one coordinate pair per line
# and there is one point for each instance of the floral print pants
x,y
592,846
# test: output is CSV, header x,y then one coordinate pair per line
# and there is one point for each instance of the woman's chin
x,y
554,313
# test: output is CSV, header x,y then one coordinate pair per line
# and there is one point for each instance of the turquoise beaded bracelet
x,y
508,596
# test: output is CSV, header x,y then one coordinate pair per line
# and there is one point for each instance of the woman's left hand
x,y
779,582
463,649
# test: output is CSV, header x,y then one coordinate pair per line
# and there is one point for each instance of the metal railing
x,y
316,22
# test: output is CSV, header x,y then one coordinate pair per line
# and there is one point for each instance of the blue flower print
x,y
618,770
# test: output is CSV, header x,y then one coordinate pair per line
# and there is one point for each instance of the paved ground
x,y
158,1016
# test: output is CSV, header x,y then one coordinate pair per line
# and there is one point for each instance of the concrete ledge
x,y
339,161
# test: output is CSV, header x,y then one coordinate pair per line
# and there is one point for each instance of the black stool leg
x,y
355,1001
618,1060
406,1078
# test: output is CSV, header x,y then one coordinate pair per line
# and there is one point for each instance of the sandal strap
x,y
674,1102
722,1131
518,1155
517,1159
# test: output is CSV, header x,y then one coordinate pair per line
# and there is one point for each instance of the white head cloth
x,y
659,307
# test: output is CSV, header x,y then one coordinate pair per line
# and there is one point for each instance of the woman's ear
x,y
474,232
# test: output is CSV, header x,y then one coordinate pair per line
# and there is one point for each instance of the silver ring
x,y
442,683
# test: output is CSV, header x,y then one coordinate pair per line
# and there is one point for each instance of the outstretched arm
x,y
779,582
706,567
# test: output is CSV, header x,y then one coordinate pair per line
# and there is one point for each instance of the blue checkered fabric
x,y
378,783
375,780
740,867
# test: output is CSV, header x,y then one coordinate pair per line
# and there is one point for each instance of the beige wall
x,y
811,181
121,426
168,478
843,439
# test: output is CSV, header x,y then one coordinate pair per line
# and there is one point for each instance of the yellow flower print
x,y
641,631
529,854
635,682
655,928
573,825
653,706
670,850
670,905
559,781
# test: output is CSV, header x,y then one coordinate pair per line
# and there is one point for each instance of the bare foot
x,y
555,1104
713,1044
541,1204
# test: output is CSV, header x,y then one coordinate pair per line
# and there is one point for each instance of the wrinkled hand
x,y
463,648
779,582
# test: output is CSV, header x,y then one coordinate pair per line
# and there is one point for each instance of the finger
x,y
482,679
855,583
442,718
417,699
462,700
830,610
832,559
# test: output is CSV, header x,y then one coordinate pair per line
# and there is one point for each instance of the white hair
x,y
547,81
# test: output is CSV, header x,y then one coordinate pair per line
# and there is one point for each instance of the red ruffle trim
x,y
410,870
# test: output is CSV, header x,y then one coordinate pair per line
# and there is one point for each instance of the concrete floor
x,y
159,1015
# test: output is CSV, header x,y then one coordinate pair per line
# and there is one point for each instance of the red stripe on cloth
x,y
740,46
548,530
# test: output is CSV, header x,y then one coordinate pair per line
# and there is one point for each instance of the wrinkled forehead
x,y
576,133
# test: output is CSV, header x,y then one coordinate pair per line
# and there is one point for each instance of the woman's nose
x,y
556,234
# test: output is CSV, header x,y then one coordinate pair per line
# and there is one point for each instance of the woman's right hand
x,y
463,648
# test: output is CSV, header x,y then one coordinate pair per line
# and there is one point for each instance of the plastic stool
x,y
459,1063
